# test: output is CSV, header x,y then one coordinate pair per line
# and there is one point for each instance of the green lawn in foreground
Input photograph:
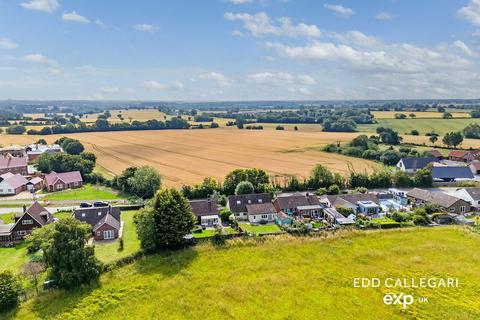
x,y
260,229
108,251
282,277
204,234
87,192
440,126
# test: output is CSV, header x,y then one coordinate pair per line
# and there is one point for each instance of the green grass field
x,y
440,126
260,229
87,192
282,277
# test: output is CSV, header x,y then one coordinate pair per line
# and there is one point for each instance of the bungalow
x,y
105,221
5,233
451,173
61,181
463,156
475,167
13,165
261,212
450,203
412,165
11,184
471,195
237,204
35,150
36,216
335,217
206,211
365,203
304,205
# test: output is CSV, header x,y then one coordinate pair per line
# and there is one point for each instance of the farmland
x,y
418,115
440,126
187,156
282,278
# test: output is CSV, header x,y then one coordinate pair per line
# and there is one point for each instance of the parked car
x,y
85,205
100,204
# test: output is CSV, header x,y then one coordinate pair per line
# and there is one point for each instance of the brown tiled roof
x,y
108,219
39,213
14,180
66,177
245,199
435,153
204,207
297,200
12,162
439,198
260,208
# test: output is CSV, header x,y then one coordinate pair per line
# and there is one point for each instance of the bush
x,y
244,187
333,189
10,290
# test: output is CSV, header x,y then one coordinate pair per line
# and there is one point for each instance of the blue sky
x,y
239,49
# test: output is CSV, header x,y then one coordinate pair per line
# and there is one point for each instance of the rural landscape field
x,y
282,278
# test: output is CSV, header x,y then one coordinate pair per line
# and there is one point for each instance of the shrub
x,y
10,290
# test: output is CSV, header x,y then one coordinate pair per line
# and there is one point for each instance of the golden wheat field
x,y
187,156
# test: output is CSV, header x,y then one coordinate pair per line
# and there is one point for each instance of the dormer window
x,y
27,221
83,215
239,202
99,213
249,201
260,200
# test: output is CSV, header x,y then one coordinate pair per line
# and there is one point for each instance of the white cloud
x,y
339,9
40,59
383,16
260,25
280,78
471,12
6,43
144,27
357,37
462,46
109,89
153,85
48,6
100,23
74,17
219,78
306,79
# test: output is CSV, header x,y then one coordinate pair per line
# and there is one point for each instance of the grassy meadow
x,y
87,192
282,277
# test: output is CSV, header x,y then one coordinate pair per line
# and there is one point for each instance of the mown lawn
x,y
204,234
87,192
109,251
260,229
282,277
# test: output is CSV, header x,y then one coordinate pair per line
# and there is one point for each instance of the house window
x,y
75,183
239,202
108,234
462,209
9,190
264,216
249,201
260,200
83,215
452,209
21,233
99,213
59,186
27,221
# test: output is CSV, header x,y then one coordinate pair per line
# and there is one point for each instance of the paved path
x,y
50,209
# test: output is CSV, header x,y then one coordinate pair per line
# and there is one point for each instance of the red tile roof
x,y
66,177
14,180
12,162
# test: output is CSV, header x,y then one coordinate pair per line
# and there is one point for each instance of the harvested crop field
x,y
187,156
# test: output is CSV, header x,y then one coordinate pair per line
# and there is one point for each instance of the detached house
x,y
463,156
13,150
206,211
365,203
261,212
305,205
450,203
11,184
105,221
61,181
35,216
13,165
237,204
471,195
35,150
412,165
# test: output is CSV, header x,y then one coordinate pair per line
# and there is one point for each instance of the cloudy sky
x,y
239,49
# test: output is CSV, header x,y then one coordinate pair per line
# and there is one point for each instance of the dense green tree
x,y
453,139
16,129
41,141
472,131
320,176
144,182
171,217
62,162
10,290
358,180
423,178
244,187
74,147
253,175
433,139
402,180
90,156
390,157
333,189
70,260
389,136
207,188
